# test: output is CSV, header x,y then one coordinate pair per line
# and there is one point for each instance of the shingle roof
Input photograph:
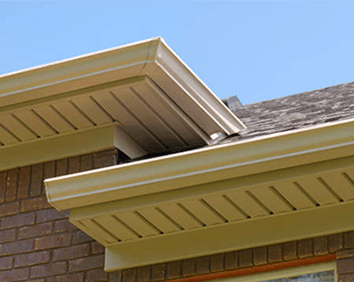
x,y
297,111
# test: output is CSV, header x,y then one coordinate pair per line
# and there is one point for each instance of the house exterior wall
x,y
37,243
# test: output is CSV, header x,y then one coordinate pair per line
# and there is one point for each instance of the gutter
x,y
210,164
32,81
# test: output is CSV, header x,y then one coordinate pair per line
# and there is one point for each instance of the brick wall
x,y
38,244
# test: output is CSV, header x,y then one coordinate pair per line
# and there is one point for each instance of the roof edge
x,y
59,72
202,165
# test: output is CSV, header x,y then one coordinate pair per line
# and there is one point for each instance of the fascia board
x,y
202,166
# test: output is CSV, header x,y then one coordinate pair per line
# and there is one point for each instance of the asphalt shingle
x,y
296,111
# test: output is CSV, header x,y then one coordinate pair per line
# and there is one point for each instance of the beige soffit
x,y
245,194
144,88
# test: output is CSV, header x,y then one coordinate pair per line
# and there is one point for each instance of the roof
x,y
296,111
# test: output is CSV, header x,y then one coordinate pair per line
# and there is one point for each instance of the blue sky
x,y
255,50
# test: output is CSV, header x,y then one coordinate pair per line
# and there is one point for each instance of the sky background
x,y
255,50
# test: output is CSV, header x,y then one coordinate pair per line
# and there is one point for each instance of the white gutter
x,y
31,80
206,165
152,58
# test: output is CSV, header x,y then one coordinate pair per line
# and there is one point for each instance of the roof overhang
x,y
253,192
144,88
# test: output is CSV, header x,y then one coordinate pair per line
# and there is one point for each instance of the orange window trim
x,y
258,269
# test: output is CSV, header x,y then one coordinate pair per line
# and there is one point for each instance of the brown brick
x,y
96,275
129,275
335,242
51,214
289,250
346,277
345,265
87,263
115,276
188,267
63,226
23,182
231,260
260,256
76,277
70,252
104,158
19,247
45,270
74,164
9,209
345,253
275,253
54,241
2,186
203,265
32,259
34,204
5,263
49,169
80,237
36,180
97,248
36,280
143,274
14,275
11,184
35,230
305,248
245,258
320,245
17,220
86,162
158,272
217,262
7,235
173,270
62,167
349,239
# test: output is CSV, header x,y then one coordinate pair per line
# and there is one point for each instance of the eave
x,y
144,88
253,192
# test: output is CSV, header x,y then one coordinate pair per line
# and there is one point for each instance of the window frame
x,y
284,273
